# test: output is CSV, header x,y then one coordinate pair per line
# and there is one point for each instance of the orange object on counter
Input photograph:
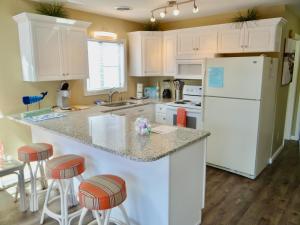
x,y
181,117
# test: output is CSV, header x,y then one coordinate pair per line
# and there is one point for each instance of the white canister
x,y
139,90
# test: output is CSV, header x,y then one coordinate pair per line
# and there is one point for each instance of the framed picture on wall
x,y
288,61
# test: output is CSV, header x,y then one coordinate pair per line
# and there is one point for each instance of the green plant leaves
x,y
52,9
252,14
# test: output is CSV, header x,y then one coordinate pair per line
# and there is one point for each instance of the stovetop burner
x,y
182,102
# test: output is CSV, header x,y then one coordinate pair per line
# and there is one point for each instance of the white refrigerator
x,y
239,111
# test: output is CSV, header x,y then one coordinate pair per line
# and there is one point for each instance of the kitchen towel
x,y
181,117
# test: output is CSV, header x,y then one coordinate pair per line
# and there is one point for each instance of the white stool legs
x,y
104,218
65,190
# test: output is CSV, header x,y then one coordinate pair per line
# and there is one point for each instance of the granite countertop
x,y
100,127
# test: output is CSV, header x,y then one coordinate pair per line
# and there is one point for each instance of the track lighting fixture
x,y
176,11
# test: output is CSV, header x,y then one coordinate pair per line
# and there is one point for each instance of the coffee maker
x,y
167,89
63,96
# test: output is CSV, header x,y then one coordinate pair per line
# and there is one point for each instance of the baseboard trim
x,y
275,155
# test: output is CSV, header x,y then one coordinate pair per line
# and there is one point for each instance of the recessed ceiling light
x,y
123,8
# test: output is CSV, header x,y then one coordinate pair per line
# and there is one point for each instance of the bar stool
x,y
101,194
38,152
62,170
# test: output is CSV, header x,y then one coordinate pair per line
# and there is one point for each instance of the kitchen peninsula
x,y
165,173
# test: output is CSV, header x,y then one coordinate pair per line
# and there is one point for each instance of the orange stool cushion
x,y
35,152
102,192
65,167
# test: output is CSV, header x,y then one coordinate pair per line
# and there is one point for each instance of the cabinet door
x,y
207,41
75,53
161,118
152,54
187,44
47,51
169,51
230,39
260,39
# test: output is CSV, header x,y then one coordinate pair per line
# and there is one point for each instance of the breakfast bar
x,y
164,172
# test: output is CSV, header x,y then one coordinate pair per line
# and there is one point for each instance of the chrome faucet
x,y
110,94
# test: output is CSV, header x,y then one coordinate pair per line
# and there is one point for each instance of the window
x,y
106,67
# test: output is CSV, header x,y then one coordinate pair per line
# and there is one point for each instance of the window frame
x,y
108,90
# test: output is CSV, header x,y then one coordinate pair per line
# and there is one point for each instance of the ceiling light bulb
x,y
195,8
162,14
176,11
152,19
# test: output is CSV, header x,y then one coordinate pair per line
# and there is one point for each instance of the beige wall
x,y
12,88
263,12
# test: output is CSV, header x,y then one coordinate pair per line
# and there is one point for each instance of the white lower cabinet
x,y
161,118
161,113
52,48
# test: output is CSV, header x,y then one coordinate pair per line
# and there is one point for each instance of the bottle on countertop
x,y
157,90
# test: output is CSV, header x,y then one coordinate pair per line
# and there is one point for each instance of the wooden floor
x,y
272,199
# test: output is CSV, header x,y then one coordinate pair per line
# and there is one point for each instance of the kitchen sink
x,y
116,104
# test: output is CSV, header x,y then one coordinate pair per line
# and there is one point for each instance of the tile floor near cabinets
x,y
272,199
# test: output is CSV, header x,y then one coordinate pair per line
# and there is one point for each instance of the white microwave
x,y
193,69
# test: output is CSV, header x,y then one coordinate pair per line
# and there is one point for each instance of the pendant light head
x,y
176,11
162,14
152,19
195,8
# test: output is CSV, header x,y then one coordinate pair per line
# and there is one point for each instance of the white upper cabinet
x,y
52,48
207,40
253,36
186,43
230,39
155,53
145,53
196,42
49,60
77,58
169,53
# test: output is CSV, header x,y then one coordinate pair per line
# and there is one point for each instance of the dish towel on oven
x,y
181,117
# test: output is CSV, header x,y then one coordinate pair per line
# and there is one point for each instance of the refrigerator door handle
x,y
212,96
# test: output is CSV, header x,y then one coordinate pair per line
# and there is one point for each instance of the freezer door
x,y
234,77
233,124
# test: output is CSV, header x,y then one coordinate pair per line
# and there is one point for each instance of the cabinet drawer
x,y
161,118
161,108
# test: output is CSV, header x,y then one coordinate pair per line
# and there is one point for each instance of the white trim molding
x,y
275,155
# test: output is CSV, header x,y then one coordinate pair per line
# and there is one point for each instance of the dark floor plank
x,y
272,199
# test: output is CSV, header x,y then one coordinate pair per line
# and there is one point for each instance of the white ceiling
x,y
141,8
